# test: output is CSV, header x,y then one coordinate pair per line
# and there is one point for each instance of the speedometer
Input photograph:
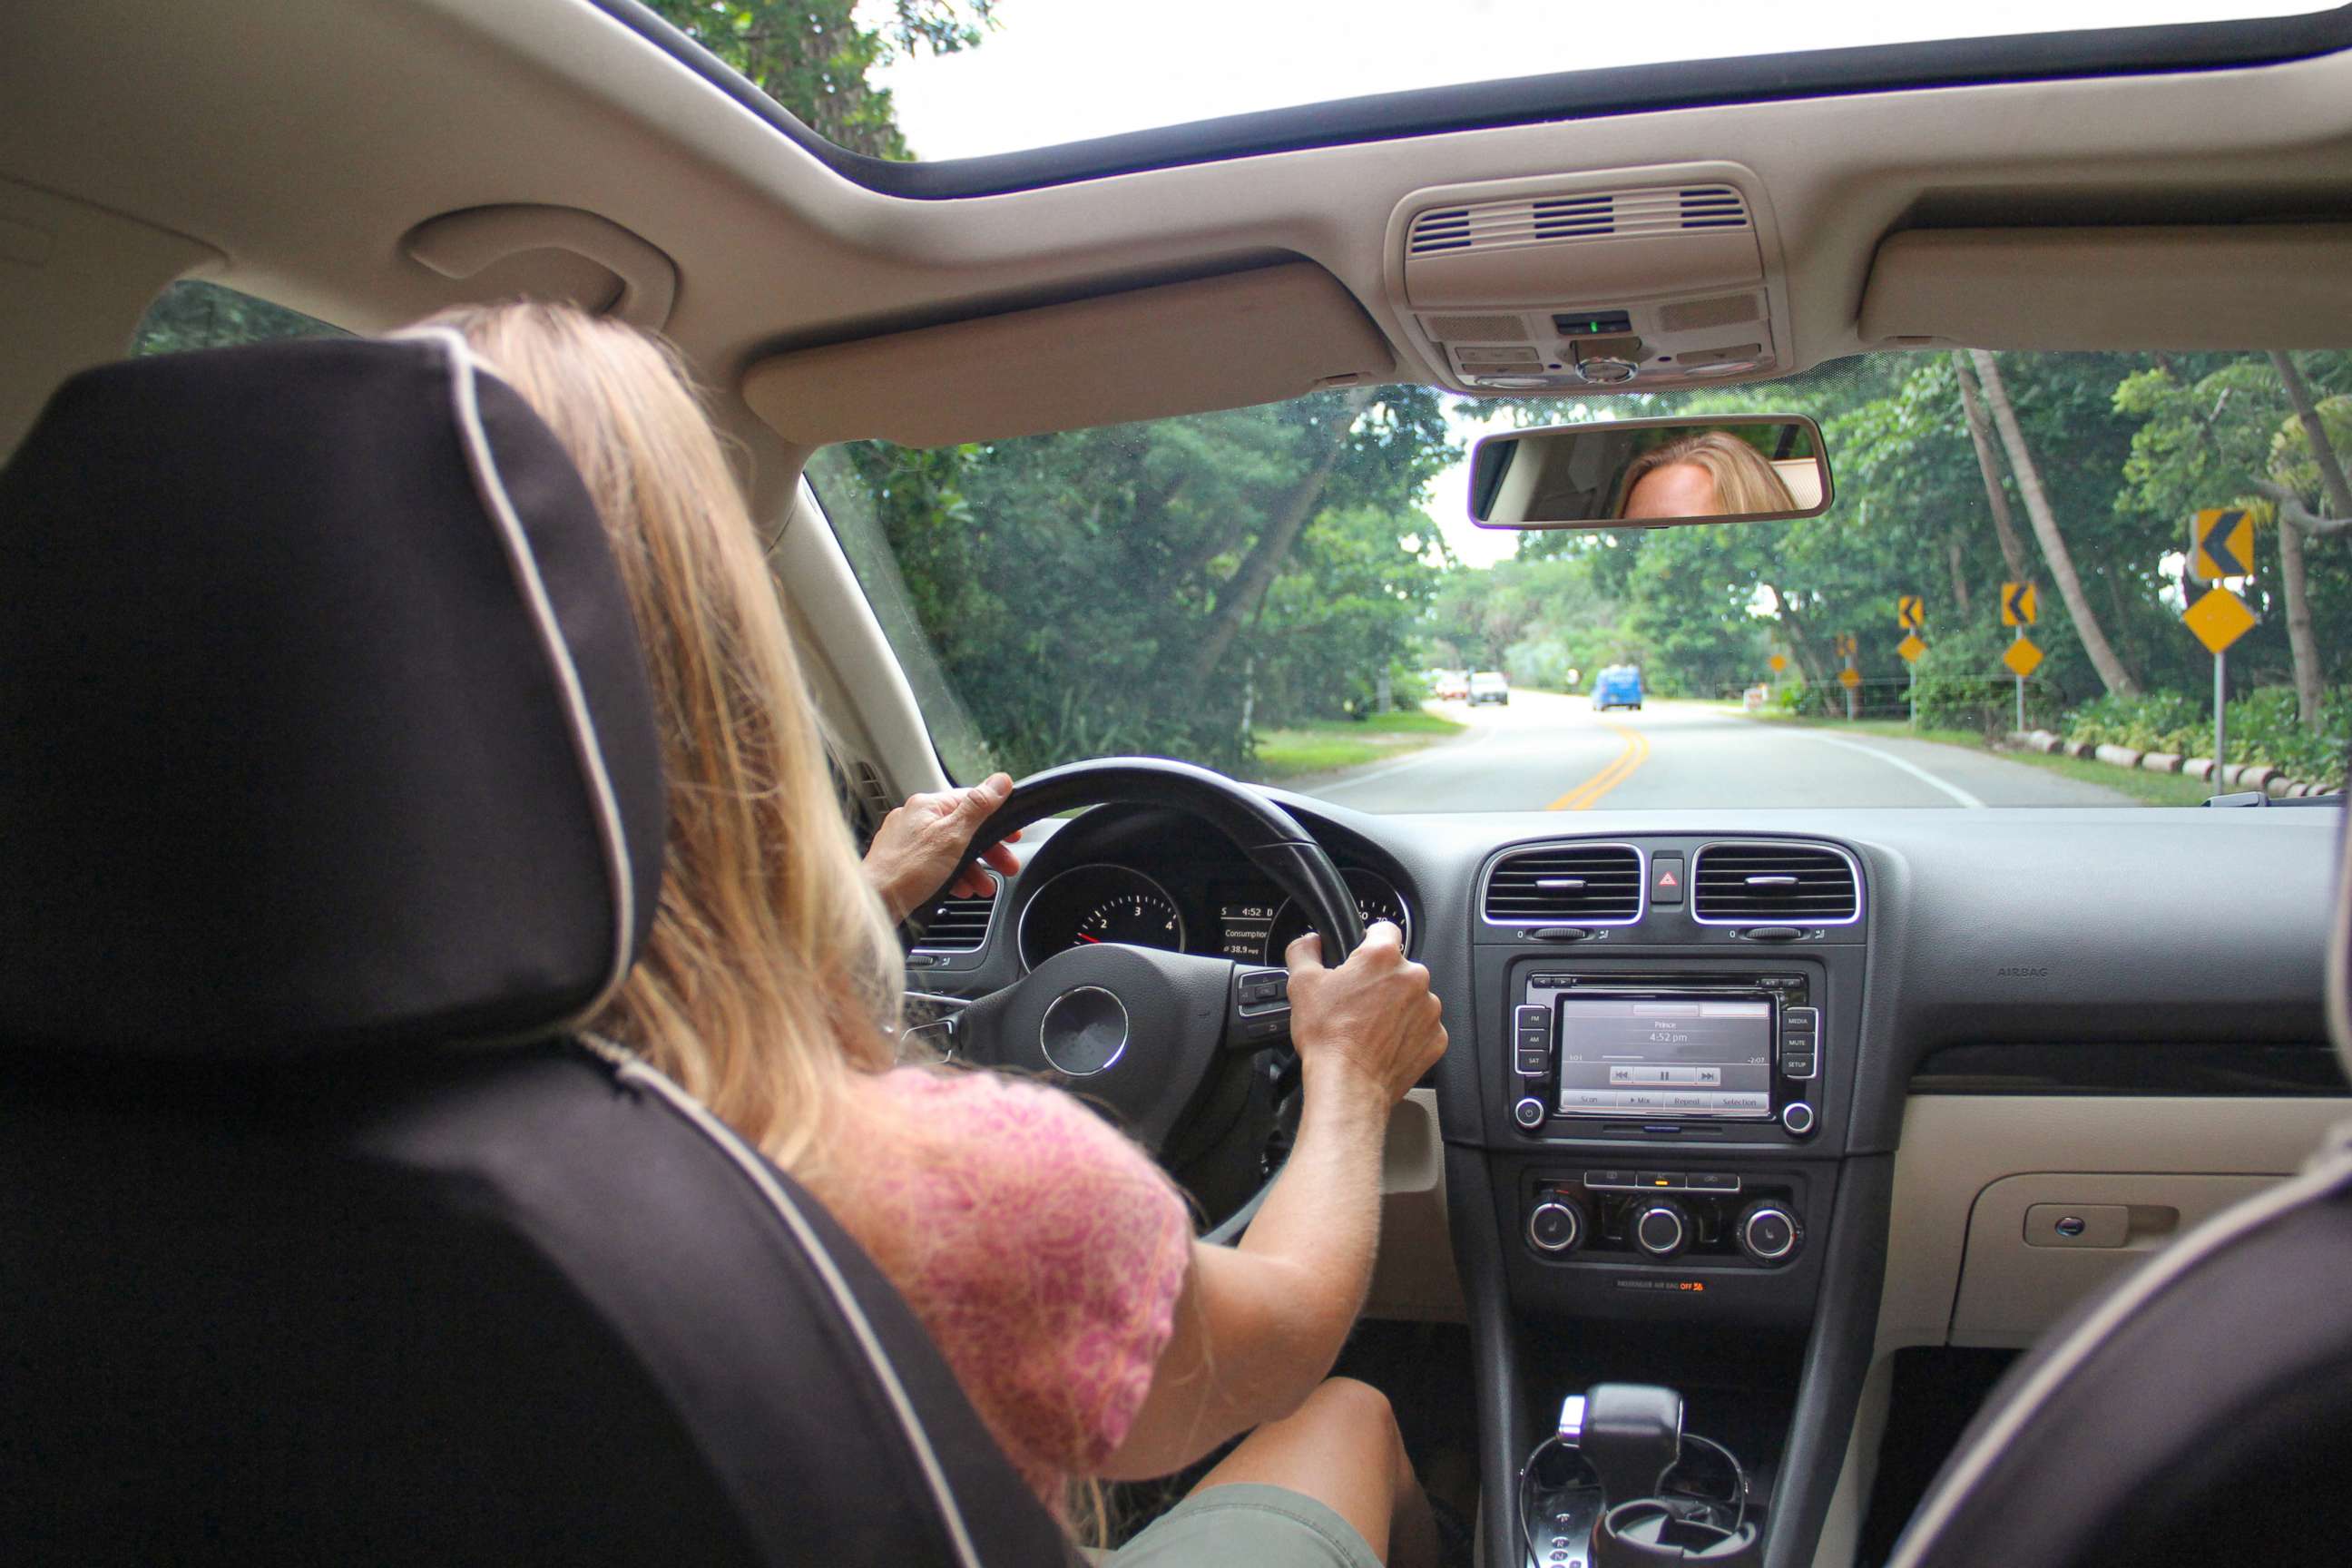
x,y
1099,903
1375,900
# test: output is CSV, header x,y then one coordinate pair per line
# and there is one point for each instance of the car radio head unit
x,y
1690,1055
1663,1048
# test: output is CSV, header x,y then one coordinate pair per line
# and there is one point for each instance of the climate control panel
x,y
1661,1216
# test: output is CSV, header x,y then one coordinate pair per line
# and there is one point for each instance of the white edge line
x,y
634,1071
2162,1271
586,747
1914,769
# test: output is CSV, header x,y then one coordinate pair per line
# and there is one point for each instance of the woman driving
x,y
1050,1259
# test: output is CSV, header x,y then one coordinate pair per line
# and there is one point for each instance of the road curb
x,y
2260,777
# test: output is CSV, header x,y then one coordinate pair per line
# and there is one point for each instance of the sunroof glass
x,y
1042,73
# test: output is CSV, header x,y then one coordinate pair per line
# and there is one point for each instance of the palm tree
x,y
2118,680
2295,525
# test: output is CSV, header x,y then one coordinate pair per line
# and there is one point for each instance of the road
x,y
1547,752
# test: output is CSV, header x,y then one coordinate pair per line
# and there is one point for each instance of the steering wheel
x,y
1169,1041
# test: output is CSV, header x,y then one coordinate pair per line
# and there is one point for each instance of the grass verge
x,y
1346,743
2148,789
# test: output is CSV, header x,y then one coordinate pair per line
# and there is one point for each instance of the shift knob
x,y
1633,1436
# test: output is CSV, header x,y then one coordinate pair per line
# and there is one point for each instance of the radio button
x,y
1797,1117
1689,1100
1529,1113
1799,1064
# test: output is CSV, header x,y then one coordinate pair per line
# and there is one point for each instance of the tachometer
x,y
1099,903
1375,900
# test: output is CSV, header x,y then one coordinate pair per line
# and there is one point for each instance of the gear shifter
x,y
1632,1435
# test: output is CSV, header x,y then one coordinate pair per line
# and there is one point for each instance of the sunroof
x,y
964,98
1053,71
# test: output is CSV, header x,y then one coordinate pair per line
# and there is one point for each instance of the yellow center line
x,y
1620,769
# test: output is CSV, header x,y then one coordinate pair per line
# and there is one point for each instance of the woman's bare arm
x,y
1259,1324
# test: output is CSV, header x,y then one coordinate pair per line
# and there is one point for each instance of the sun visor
x,y
1178,348
2275,286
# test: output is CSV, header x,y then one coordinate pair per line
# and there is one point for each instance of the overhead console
x,y
1639,279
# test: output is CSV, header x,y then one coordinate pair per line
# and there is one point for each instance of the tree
x,y
2118,680
812,57
2295,524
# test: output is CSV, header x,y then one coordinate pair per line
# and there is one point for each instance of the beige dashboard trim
x,y
1956,1146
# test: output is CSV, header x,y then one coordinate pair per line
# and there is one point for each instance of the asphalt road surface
x,y
1546,752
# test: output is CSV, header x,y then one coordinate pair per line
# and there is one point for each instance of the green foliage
x,y
1072,586
813,56
2262,729
190,314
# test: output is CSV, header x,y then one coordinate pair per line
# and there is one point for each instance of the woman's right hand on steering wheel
x,y
1373,1020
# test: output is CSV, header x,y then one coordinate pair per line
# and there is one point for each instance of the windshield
x,y
1293,593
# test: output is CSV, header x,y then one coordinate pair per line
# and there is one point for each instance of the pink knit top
x,y
1043,1250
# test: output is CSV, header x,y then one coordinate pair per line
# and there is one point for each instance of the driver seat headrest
x,y
323,723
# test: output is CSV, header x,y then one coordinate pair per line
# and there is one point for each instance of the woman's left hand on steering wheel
x,y
923,843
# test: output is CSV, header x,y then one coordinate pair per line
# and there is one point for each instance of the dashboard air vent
x,y
1774,884
1596,215
958,925
1569,884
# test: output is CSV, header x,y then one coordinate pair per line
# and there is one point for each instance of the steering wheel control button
x,y
1084,1031
1662,1230
1668,880
1529,1113
1797,1117
1264,987
1555,1228
1768,1233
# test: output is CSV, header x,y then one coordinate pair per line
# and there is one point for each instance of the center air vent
x,y
957,925
1774,884
1595,215
1569,884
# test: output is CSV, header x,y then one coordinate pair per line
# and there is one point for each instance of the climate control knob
x,y
1768,1233
1555,1225
1662,1230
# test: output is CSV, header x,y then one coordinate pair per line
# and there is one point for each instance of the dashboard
x,y
1817,1127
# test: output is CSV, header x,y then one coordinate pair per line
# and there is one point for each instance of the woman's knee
x,y
1365,1411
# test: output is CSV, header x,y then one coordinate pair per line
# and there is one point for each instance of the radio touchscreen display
x,y
1687,1055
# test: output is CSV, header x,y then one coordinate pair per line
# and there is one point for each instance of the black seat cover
x,y
331,797
2196,1412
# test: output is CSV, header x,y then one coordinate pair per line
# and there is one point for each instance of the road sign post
x,y
2020,607
2218,618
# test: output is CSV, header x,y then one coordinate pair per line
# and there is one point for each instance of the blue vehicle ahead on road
x,y
1617,686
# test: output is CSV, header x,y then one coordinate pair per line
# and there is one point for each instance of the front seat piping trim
x,y
466,404
2329,1172
633,1070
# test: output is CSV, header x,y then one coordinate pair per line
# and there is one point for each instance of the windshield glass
x,y
1293,593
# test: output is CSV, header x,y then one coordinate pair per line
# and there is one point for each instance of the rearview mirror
x,y
1651,473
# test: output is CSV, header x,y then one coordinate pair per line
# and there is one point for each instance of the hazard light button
x,y
1666,880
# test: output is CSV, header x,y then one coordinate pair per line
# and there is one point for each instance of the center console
x,y
1667,1030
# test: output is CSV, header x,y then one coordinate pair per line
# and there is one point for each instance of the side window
x,y
196,315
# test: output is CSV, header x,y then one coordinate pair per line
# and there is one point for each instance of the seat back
x,y
331,785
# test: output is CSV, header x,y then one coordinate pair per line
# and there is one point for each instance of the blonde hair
x,y
1745,482
773,974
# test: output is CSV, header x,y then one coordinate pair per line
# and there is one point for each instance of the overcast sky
x,y
1064,70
